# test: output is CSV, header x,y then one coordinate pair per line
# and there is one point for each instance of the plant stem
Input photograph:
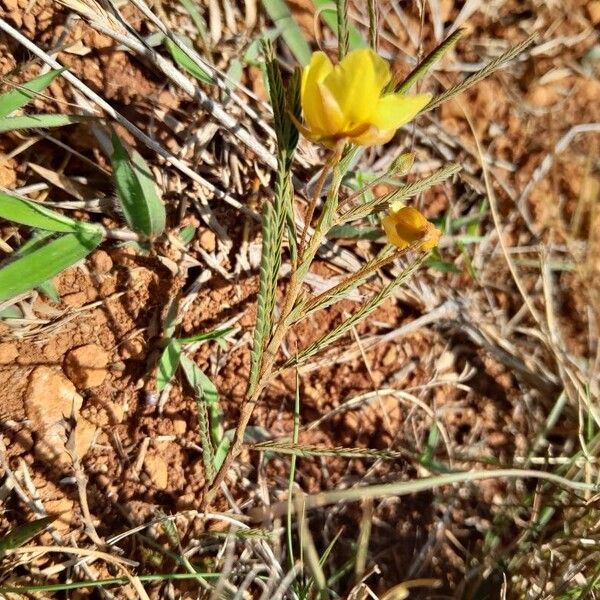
x,y
268,361
313,203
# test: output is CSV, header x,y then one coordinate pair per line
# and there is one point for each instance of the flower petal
x,y
357,83
394,110
312,106
332,118
407,226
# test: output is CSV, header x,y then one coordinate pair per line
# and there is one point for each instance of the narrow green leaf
x,y
221,452
31,121
186,234
187,63
262,329
328,14
42,264
207,400
21,535
142,207
195,15
354,233
252,53
49,289
208,335
37,240
167,364
282,17
421,69
11,312
441,265
34,214
21,95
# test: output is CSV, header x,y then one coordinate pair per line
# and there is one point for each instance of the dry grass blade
x,y
404,488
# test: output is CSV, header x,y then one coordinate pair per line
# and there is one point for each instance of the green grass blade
x,y
208,335
362,313
187,63
91,583
342,28
34,269
20,535
402,193
282,17
329,16
167,364
142,207
33,214
209,414
196,17
21,95
31,121
491,67
421,69
264,302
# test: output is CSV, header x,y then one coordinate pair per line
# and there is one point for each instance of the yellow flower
x,y
407,226
345,102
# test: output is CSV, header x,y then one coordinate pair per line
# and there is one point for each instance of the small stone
x,y
86,366
50,401
101,262
179,426
158,469
8,353
84,436
593,9
208,240
390,357
132,348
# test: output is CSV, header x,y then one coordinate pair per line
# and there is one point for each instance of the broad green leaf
x,y
185,62
282,17
21,95
167,364
34,214
37,267
30,121
136,190
21,535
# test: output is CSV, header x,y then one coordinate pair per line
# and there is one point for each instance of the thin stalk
x,y
335,156
295,432
266,371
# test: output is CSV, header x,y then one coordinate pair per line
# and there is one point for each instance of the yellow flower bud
x,y
408,226
346,102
